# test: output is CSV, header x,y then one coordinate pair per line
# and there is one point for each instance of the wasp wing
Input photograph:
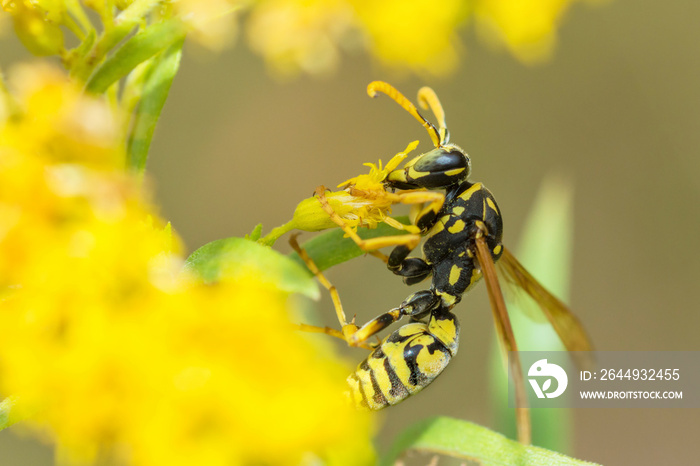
x,y
506,338
564,322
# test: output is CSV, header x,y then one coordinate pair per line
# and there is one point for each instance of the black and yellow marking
x,y
462,233
406,362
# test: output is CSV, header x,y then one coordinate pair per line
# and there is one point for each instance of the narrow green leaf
x,y
462,439
330,248
127,20
155,93
234,258
141,47
545,249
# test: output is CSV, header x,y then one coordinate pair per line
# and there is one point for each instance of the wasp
x,y
461,232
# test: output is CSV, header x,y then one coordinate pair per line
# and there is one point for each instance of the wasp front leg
x,y
414,269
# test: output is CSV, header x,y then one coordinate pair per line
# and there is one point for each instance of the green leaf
x,y
234,258
155,93
546,250
141,47
330,248
134,15
462,439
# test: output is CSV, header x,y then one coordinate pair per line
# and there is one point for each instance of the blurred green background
x,y
616,111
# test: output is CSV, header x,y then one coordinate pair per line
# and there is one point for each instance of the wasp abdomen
x,y
405,363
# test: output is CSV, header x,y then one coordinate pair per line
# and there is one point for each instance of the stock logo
x,y
541,369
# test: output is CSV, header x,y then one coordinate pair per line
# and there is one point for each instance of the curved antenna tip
x,y
377,86
380,86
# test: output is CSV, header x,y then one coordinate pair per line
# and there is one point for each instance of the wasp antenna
x,y
399,98
428,99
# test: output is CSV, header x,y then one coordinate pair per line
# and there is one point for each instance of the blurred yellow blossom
x,y
306,35
301,35
527,28
309,35
111,348
59,122
419,35
37,28
212,23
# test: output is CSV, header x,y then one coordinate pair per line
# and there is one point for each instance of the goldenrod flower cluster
x,y
109,347
311,35
213,23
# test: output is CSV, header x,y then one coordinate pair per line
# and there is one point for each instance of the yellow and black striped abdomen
x,y
405,363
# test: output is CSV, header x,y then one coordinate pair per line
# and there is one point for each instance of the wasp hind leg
x,y
347,328
350,332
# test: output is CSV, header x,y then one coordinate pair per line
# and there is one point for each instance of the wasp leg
x,y
334,333
347,329
368,245
428,215
415,306
375,326
414,269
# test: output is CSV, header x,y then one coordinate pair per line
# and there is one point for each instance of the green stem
x,y
270,238
9,102
155,93
75,8
73,27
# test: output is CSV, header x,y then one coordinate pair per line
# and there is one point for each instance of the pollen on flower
x,y
373,180
363,201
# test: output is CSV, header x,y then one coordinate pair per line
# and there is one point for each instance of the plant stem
x,y
270,238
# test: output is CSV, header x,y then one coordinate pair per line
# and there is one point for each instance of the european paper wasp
x,y
461,229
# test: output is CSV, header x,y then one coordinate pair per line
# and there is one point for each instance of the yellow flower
x,y
419,35
526,27
212,23
309,35
112,349
59,122
37,28
361,202
301,35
